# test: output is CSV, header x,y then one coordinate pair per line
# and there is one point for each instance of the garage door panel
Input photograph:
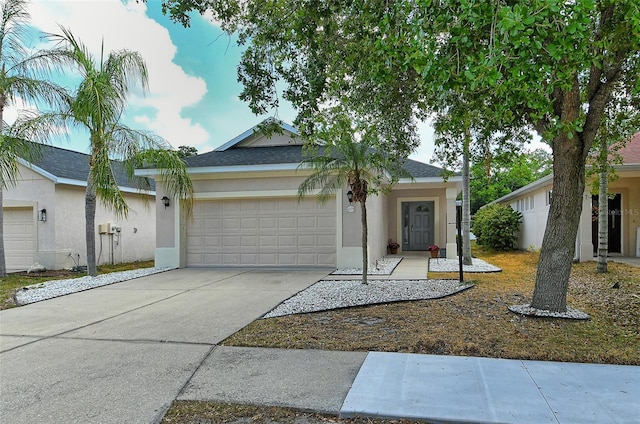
x,y
308,240
326,240
249,223
287,241
268,259
265,232
19,238
287,223
249,241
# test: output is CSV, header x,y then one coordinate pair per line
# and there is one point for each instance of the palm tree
x,y
348,160
97,105
21,79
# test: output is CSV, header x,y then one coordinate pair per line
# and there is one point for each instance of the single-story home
x,y
44,218
247,211
624,210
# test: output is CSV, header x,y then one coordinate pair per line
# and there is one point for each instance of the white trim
x,y
251,131
38,170
526,189
455,179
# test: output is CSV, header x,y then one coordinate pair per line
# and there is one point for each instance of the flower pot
x,y
435,253
394,250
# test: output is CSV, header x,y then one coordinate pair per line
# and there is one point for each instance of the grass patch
x,y
477,322
15,281
220,413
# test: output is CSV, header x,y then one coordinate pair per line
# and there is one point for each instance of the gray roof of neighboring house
x,y
280,155
70,165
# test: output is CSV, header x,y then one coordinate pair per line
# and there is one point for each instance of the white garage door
x,y
19,238
262,232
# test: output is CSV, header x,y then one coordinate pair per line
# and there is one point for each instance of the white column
x,y
452,249
584,243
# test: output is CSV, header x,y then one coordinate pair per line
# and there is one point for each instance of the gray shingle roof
x,y
280,155
68,164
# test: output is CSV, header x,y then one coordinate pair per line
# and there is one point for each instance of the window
x,y
549,197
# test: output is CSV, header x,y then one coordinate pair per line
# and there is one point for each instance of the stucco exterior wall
x,y
61,238
534,207
134,242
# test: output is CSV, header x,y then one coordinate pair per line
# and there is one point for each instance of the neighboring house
x,y
247,212
44,219
624,210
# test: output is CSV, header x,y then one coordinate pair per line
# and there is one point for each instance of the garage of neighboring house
x,y
262,232
19,238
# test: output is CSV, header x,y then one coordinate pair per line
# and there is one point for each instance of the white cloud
x,y
126,26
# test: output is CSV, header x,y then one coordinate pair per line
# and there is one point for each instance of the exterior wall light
x,y
166,202
350,208
42,215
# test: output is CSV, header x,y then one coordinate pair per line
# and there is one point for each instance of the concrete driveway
x,y
124,352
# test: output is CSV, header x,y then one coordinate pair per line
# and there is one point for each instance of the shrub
x,y
496,226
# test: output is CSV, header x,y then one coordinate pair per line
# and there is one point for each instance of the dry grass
x,y
477,322
15,281
218,413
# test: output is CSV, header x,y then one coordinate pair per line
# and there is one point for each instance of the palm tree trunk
x,y
90,219
603,210
466,203
365,259
3,264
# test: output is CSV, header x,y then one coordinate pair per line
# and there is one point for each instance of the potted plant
x,y
393,247
435,250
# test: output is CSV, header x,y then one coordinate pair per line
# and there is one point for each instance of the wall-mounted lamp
x,y
42,215
350,208
165,202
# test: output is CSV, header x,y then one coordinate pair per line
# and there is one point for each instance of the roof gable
x,y
280,135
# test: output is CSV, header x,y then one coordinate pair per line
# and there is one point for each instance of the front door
x,y
418,223
615,224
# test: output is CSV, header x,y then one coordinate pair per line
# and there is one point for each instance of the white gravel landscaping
x,y
334,294
56,288
452,265
382,266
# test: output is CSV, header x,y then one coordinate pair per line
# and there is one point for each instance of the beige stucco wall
x,y
63,233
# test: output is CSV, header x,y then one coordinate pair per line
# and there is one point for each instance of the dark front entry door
x,y
418,222
615,224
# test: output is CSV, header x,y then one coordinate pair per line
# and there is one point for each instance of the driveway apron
x,y
122,353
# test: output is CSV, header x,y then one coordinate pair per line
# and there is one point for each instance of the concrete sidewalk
x,y
431,388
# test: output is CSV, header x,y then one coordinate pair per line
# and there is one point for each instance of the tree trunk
x,y
603,215
558,245
365,255
3,264
90,227
466,203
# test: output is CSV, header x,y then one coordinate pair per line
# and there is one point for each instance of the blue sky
x,y
193,90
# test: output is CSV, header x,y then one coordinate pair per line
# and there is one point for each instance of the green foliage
x,y
186,151
494,177
496,226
